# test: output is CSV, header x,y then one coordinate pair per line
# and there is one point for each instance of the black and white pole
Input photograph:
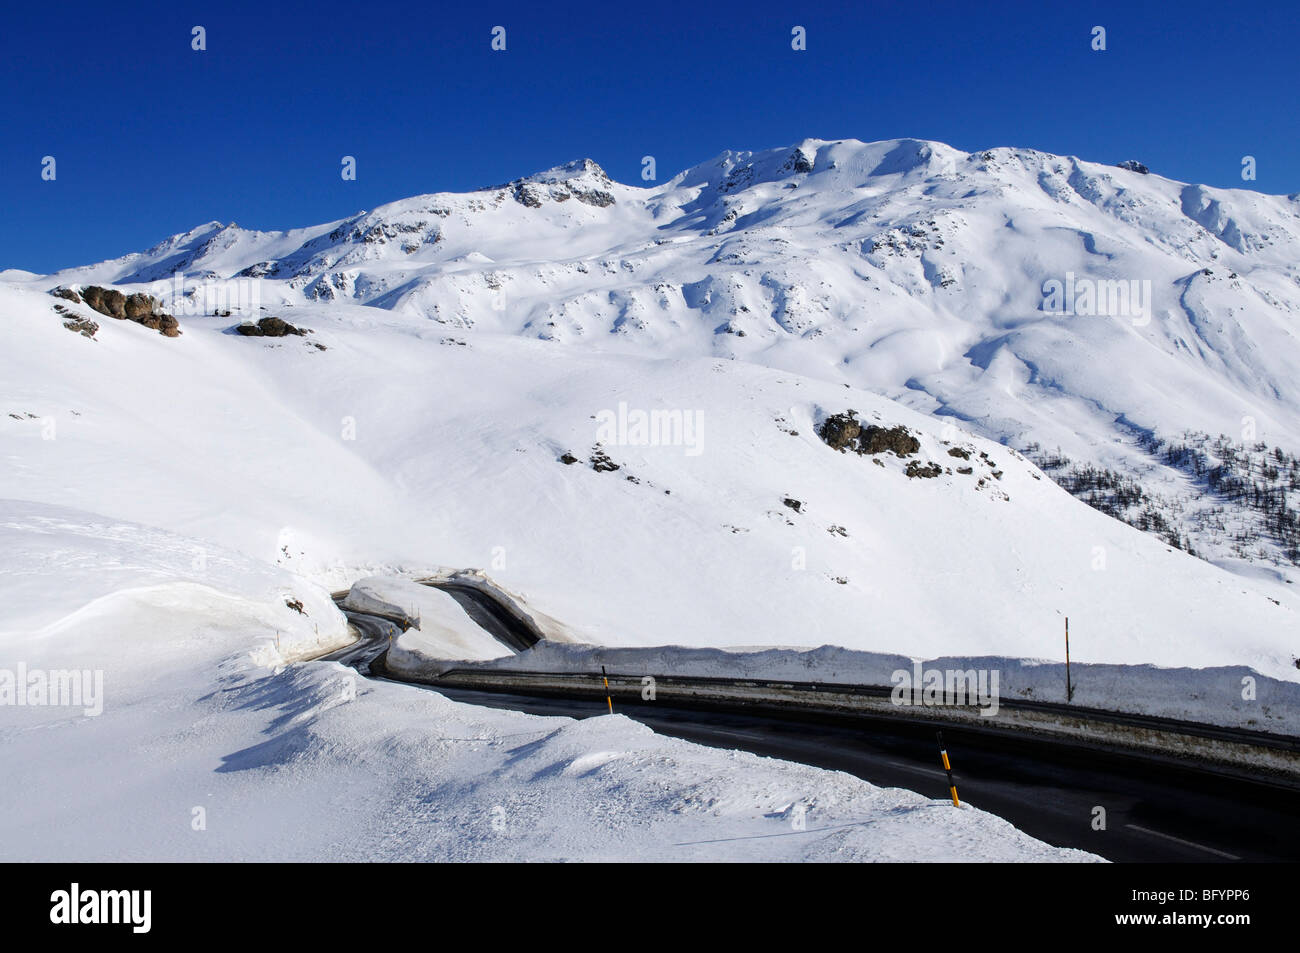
x,y
947,766
1069,685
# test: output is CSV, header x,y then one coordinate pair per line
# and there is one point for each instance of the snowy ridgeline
x,y
1029,297
207,747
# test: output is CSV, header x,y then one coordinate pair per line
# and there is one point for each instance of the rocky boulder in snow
x,y
107,301
270,328
897,440
845,432
839,430
143,309
75,322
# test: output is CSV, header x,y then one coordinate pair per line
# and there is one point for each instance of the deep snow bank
x,y
201,754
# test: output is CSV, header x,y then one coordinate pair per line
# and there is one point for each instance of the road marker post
x,y
943,753
1069,685
609,699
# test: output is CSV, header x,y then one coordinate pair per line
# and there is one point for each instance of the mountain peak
x,y
581,179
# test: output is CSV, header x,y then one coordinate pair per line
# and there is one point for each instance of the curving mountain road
x,y
1155,809
490,616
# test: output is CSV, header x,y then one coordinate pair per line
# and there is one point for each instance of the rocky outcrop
x,y
142,309
839,431
927,472
897,440
76,323
583,180
270,328
164,324
600,461
800,160
260,269
846,432
140,306
1132,165
107,301
83,326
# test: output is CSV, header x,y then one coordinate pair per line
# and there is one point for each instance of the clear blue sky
x,y
152,138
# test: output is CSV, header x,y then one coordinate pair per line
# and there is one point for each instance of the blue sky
x,y
152,138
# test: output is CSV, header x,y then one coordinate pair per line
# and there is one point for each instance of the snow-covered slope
x,y
193,751
397,446
615,402
902,267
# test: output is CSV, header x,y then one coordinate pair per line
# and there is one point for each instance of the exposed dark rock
x,y
568,459
295,605
107,301
959,452
138,306
528,195
839,430
799,161
597,197
794,504
68,293
601,463
84,326
143,309
1132,165
270,328
583,180
897,440
259,270
928,471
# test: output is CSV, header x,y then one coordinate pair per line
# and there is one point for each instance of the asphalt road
x,y
1153,812
1049,792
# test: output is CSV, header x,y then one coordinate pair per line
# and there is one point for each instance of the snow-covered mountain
x,y
959,284
466,351
787,399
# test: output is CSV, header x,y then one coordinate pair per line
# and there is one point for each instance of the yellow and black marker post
x,y
943,753
609,699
